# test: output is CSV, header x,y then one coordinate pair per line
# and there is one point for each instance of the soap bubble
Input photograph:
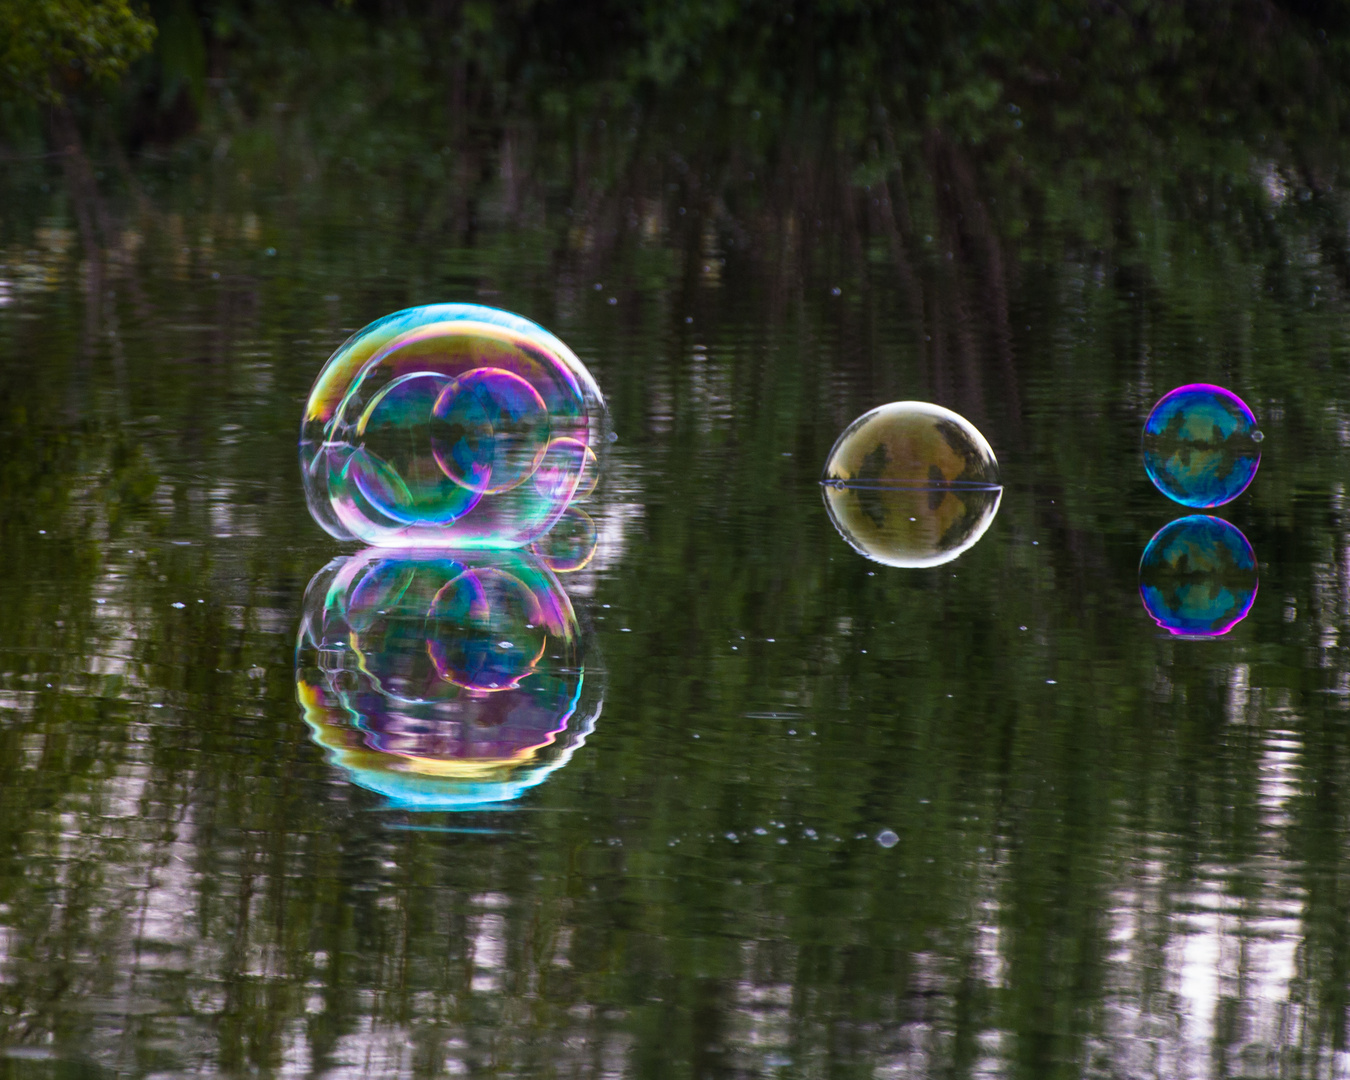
x,y
1198,577
570,544
911,484
452,425
444,679
1201,445
491,429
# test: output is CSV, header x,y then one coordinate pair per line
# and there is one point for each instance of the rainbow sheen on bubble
x,y
1198,577
911,484
1201,445
450,425
444,680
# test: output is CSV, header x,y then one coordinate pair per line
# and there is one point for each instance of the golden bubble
x,y
911,484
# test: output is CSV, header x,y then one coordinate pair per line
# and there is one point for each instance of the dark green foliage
x,y
49,48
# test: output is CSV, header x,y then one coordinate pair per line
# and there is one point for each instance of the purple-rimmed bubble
x,y
490,429
1201,445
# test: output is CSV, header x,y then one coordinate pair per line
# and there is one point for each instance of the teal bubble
x,y
1201,445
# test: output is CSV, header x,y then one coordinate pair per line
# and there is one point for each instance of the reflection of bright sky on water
x,y
1183,960
1228,963
1200,978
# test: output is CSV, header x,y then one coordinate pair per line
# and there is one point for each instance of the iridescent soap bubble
x,y
451,425
444,680
1198,577
1201,445
571,544
911,484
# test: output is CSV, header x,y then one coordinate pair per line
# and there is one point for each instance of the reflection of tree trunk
x,y
91,215
895,219
92,223
972,237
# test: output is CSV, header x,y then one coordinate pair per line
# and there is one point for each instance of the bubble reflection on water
x,y
444,680
1198,576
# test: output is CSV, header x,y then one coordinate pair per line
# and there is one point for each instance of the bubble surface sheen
x,y
450,425
911,484
1201,445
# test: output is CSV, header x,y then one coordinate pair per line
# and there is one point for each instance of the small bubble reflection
x,y
1198,577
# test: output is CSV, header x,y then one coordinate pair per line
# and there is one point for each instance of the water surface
x,y
833,818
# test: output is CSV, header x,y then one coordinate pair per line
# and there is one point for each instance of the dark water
x,y
833,818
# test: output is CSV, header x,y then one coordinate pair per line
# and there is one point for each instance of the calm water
x,y
831,819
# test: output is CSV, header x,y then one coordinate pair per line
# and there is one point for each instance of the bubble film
x,y
1198,577
911,484
444,680
1201,445
452,425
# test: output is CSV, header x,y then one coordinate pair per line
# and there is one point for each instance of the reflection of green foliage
x,y
48,47
1028,808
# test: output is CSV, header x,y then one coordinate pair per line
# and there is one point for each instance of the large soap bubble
x,y
451,425
1198,577
444,680
911,484
1201,445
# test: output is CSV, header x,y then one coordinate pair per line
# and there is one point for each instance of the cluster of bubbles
x,y
911,484
1198,575
444,680
449,425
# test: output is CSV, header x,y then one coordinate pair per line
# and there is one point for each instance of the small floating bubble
x,y
887,839
1198,445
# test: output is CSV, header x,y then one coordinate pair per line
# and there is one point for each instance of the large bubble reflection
x,y
444,680
451,425
911,484
1198,577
